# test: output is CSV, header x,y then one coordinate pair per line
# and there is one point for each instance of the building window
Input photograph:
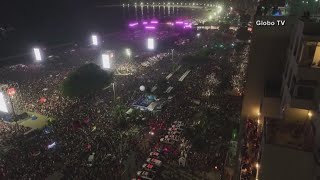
x,y
305,92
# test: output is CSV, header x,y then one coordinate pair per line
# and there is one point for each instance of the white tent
x,y
152,106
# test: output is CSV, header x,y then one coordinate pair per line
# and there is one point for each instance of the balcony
x,y
309,72
303,104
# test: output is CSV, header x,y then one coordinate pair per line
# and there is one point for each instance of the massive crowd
x,y
84,127
250,150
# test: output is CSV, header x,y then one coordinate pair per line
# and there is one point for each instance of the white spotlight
x,y
105,61
95,40
37,54
3,105
150,43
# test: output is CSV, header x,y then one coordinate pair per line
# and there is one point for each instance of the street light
x,y
37,54
94,40
258,167
309,114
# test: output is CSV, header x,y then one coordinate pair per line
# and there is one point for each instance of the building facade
x,y
283,95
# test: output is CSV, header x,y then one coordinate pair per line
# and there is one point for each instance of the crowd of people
x,y
84,126
250,150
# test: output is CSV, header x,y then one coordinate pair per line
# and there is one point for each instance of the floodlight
x,y
37,54
128,51
106,61
95,40
133,24
3,105
150,43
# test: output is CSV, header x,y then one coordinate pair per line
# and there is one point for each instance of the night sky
x,y
38,10
45,21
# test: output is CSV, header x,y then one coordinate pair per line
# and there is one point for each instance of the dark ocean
x,y
51,25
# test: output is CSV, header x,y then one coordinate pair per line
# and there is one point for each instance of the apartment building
x,y
283,95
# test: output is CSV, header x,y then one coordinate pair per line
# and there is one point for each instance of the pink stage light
x,y
154,22
150,27
144,22
133,24
179,22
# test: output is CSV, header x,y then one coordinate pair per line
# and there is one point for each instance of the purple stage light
x,y
150,27
133,24
179,22
154,22
144,22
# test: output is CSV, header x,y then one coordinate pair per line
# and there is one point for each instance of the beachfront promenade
x,y
177,5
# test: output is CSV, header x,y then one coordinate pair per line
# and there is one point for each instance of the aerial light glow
x,y
106,61
150,27
37,54
150,43
94,40
3,105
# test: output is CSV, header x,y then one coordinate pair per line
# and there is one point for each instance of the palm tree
x,y
119,115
